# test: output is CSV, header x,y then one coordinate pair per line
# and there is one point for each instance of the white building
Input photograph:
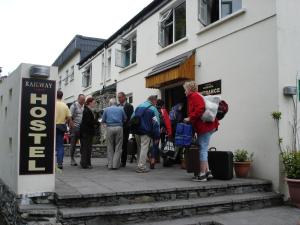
x,y
69,77
249,46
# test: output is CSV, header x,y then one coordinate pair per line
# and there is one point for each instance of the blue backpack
x,y
183,135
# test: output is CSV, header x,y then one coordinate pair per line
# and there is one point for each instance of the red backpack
x,y
222,110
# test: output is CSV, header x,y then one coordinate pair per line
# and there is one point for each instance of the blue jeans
x,y
59,146
203,142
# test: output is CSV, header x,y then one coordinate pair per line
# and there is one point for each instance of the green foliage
x,y
276,115
291,162
242,155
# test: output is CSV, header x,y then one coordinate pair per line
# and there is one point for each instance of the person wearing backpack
x,y
145,125
204,130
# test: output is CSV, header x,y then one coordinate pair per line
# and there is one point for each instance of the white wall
x,y
10,128
288,35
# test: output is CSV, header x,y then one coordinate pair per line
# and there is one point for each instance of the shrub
x,y
242,155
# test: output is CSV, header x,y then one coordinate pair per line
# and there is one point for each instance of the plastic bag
x,y
169,149
211,107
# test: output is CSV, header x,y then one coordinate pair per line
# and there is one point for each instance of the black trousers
x,y
86,141
124,146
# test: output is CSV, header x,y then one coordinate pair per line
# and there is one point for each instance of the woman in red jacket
x,y
204,130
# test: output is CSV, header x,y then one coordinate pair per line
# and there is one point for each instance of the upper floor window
x,y
67,77
172,25
108,64
72,73
102,67
87,76
127,54
212,10
59,82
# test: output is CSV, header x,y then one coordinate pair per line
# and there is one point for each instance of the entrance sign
x,y
210,88
37,126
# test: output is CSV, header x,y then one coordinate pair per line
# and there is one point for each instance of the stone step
x,y
138,213
190,191
269,216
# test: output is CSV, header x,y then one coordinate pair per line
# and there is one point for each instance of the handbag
x,y
169,149
62,128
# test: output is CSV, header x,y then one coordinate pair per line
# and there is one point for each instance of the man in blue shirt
x,y
114,117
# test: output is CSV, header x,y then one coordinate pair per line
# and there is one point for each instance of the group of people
x,y
154,125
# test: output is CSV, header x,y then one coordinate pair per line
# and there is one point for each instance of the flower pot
x,y
294,190
242,169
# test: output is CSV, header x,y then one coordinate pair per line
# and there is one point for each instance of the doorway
x,y
173,96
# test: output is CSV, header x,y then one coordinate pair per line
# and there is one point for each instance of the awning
x,y
181,67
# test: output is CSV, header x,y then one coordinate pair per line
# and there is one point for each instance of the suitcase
x,y
192,159
220,164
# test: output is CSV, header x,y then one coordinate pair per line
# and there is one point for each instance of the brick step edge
x,y
211,203
160,195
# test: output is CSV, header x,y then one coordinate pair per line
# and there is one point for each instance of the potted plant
x,y
291,162
242,162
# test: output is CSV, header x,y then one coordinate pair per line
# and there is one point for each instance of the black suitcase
x,y
192,159
220,164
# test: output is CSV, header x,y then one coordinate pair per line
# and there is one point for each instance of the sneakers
x,y
140,170
200,178
209,175
73,162
60,166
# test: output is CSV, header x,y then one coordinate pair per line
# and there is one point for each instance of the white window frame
x,y
102,67
204,13
164,16
128,96
120,54
59,82
87,76
67,78
109,63
72,73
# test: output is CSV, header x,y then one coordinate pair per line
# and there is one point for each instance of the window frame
x,y
121,55
164,16
87,76
66,78
208,13
72,73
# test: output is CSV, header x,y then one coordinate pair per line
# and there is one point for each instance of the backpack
x,y
222,110
135,122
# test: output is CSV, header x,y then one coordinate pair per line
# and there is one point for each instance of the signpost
x,y
37,126
211,88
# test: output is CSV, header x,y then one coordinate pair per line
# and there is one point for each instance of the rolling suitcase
x,y
220,164
192,159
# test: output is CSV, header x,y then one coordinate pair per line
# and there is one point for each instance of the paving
x,y
76,182
113,197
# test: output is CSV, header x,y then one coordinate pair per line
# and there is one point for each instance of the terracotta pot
x,y
294,190
242,169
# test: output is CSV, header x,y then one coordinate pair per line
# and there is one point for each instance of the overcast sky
x,y
36,31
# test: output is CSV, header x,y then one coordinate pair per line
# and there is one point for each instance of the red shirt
x,y
196,107
167,121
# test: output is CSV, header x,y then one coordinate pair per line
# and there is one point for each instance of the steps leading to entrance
x,y
137,213
201,190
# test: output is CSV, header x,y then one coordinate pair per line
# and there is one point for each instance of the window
x,y
1,100
127,55
67,77
10,94
102,67
108,64
172,25
87,76
209,10
59,83
72,73
129,98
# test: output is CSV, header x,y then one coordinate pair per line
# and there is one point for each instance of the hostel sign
x,y
37,126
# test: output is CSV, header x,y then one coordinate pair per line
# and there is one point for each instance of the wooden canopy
x,y
173,70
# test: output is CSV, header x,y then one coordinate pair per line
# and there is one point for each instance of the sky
x,y
37,31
